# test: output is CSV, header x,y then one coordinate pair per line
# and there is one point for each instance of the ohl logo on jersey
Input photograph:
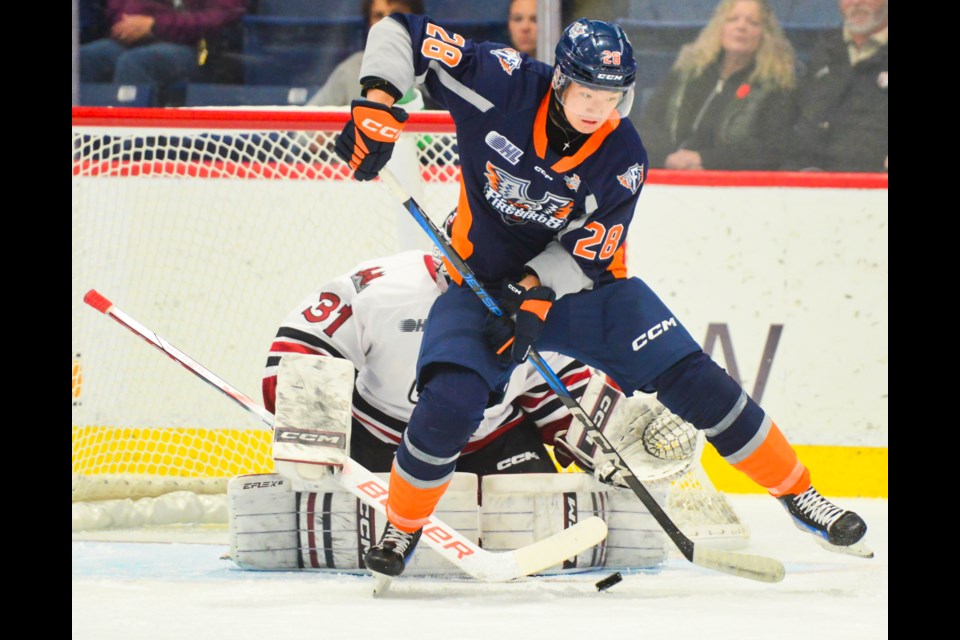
x,y
508,195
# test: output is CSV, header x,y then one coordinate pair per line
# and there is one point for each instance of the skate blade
x,y
381,583
858,549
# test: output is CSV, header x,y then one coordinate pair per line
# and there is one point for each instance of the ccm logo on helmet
x,y
387,132
609,76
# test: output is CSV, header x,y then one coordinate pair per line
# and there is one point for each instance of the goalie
x,y
374,317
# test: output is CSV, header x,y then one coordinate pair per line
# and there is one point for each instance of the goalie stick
x,y
486,566
743,565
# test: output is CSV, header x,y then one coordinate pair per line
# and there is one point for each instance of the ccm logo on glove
x,y
379,131
366,141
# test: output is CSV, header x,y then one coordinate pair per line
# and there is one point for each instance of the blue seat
x,y
260,31
296,50
445,11
675,12
811,14
652,67
308,8
105,94
210,95
479,30
300,65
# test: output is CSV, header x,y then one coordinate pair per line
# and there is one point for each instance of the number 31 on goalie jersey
x,y
329,303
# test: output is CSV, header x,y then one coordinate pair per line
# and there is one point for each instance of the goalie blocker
x,y
273,527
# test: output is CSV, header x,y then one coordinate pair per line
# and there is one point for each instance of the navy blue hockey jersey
x,y
566,217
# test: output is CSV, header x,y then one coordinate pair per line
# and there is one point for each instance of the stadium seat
x,y
652,67
103,94
444,11
308,8
672,12
815,14
297,50
203,95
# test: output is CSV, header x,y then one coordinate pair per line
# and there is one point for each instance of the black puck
x,y
609,581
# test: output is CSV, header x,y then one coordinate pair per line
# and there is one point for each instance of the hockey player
x,y
551,175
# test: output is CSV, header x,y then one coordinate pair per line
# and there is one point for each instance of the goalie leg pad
x,y
262,522
273,527
524,508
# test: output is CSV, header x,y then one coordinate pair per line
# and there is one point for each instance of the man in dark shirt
x,y
842,124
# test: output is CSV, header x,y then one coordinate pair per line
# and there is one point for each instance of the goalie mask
x,y
594,69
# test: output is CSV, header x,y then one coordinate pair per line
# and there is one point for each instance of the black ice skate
x,y
836,529
390,557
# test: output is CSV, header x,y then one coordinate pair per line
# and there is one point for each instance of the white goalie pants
x,y
273,527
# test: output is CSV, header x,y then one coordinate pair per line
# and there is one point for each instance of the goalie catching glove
x,y
366,142
512,339
654,442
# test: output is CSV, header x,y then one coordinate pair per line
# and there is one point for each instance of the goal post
x,y
209,225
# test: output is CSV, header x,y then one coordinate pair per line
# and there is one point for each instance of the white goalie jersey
x,y
374,316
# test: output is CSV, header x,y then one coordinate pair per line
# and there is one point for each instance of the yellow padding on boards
x,y
212,453
194,453
855,472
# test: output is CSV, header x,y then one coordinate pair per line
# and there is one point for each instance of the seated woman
x,y
727,103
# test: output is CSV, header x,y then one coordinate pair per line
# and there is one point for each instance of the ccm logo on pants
x,y
517,459
641,341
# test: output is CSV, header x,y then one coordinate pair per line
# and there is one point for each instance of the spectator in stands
x,y
727,102
92,21
522,25
842,96
343,85
157,42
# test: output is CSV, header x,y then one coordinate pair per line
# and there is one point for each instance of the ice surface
x,y
186,590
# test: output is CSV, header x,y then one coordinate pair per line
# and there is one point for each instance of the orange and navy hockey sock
x,y
699,391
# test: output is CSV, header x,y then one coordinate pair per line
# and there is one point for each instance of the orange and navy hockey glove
x,y
367,139
531,307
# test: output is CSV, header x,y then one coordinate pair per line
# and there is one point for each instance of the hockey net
x,y
208,225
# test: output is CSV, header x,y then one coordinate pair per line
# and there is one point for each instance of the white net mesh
x,y
208,228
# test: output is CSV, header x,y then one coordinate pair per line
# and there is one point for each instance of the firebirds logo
x,y
508,195
509,59
632,178
364,277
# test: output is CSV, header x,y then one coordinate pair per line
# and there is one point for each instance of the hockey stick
x,y
754,567
486,566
